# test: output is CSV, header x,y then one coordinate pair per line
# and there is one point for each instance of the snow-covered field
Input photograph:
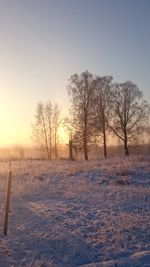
x,y
63,213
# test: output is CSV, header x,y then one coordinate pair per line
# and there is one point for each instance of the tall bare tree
x,y
45,128
56,123
129,112
48,118
102,107
40,131
80,90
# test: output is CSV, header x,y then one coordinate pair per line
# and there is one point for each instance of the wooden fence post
x,y
7,200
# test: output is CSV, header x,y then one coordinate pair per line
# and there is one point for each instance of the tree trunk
x,y
55,144
85,155
45,135
70,150
50,148
126,149
50,141
85,139
55,149
85,150
104,146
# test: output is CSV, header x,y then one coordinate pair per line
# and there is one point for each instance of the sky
x,y
44,42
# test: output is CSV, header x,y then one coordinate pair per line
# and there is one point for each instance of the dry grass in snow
x,y
77,213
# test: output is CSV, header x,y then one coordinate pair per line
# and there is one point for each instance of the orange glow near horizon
x,y
13,135
15,122
13,129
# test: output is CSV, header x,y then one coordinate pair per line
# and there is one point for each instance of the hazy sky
x,y
43,42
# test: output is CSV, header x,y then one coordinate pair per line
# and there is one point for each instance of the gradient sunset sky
x,y
43,42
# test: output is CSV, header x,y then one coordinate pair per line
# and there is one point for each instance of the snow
x,y
62,213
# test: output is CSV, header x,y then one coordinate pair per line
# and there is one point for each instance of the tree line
x,y
98,107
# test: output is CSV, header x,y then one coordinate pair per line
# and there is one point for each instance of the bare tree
x,y
80,91
40,131
45,128
48,117
129,112
102,107
56,123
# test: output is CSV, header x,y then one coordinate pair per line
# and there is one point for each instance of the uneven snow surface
x,y
91,214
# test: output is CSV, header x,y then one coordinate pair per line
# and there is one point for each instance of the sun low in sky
x,y
12,128
44,42
63,136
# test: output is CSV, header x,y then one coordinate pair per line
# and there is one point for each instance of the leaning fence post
x,y
7,199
